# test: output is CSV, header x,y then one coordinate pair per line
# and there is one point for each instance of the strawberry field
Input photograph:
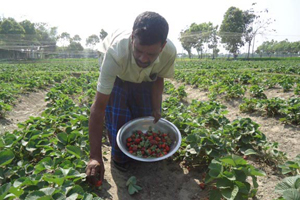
x,y
228,151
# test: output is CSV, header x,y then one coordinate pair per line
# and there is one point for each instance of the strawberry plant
x,y
257,92
249,105
297,89
292,111
132,186
229,176
286,83
291,167
289,188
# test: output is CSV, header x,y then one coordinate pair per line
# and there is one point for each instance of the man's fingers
x,y
88,171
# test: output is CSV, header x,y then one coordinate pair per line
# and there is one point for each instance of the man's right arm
x,y
96,122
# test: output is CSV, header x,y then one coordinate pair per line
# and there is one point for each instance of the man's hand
x,y
95,172
157,115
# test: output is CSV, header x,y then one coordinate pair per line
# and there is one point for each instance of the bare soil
x,y
31,104
288,136
168,179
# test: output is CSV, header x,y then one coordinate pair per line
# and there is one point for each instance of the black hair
x,y
150,28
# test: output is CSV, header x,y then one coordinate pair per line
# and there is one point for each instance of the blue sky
x,y
89,17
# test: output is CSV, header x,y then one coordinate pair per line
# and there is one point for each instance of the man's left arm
x,y
157,91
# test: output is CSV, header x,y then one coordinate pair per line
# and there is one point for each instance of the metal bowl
x,y
143,124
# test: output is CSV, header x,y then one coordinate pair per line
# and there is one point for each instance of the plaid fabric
x,y
127,101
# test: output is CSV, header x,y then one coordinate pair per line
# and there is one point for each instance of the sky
x,y
90,16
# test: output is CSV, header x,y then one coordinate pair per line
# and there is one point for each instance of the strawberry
x,y
202,185
99,183
137,141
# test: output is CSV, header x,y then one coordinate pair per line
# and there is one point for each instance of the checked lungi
x,y
127,101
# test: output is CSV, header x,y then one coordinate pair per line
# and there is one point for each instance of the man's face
x,y
145,55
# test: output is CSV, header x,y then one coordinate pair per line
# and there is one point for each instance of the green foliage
x,y
232,29
257,92
230,176
289,188
132,186
291,167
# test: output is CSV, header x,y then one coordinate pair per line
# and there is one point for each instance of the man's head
x,y
149,34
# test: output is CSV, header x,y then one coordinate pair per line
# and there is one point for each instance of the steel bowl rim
x,y
125,151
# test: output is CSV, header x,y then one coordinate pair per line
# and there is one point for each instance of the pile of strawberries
x,y
150,144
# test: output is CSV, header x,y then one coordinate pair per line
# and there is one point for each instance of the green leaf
x,y
244,188
131,180
254,180
215,169
72,197
291,194
132,189
238,160
63,138
138,187
59,196
249,152
256,172
22,181
240,175
35,195
287,183
215,195
48,191
53,179
87,196
16,191
74,150
75,190
230,194
6,157
224,183
229,175
4,189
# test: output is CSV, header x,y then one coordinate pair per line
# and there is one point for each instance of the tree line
x,y
26,39
238,28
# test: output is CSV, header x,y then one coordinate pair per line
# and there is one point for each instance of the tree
x,y
76,38
213,42
46,37
92,40
201,33
65,39
255,24
75,47
266,47
11,37
187,41
103,34
232,29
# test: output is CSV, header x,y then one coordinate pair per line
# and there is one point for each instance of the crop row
x,y
279,66
48,155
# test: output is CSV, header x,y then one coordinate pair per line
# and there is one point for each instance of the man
x,y
130,84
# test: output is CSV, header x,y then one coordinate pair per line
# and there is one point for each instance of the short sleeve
x,y
109,71
168,69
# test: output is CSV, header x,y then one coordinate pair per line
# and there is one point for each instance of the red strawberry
x,y
202,185
99,183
